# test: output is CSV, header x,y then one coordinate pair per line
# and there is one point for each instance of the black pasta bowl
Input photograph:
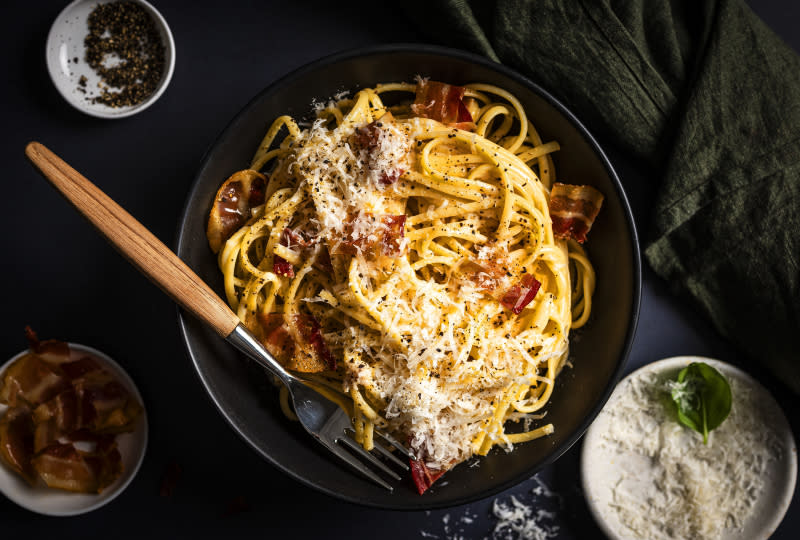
x,y
246,397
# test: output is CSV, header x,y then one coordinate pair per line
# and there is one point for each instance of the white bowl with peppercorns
x,y
110,59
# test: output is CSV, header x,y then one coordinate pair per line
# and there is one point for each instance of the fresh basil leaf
x,y
703,398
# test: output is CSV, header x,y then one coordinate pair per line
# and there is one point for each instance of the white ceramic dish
x,y
603,467
65,44
55,502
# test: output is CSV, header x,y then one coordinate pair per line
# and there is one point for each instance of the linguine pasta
x,y
404,258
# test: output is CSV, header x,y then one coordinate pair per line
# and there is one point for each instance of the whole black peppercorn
x,y
125,49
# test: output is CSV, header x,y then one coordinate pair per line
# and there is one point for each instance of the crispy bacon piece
x,y
311,355
291,239
493,272
372,237
442,102
30,381
438,101
65,467
237,196
57,418
390,177
96,402
463,112
106,405
484,274
282,267
573,209
423,476
521,295
368,137
395,231
16,442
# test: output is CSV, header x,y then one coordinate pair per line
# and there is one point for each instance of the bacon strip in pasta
x,y
521,295
235,199
442,102
573,209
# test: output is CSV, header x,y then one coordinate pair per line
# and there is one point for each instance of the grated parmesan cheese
x,y
531,516
673,485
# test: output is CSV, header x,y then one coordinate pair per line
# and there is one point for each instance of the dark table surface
x,y
66,282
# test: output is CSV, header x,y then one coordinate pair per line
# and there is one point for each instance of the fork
x,y
322,418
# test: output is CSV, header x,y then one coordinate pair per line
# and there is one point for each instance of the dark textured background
x,y
65,281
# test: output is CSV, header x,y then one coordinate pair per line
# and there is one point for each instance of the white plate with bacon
x,y
73,428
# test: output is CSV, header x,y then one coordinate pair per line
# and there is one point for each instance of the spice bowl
x,y
117,93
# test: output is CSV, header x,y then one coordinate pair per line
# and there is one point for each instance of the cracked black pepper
x,y
125,49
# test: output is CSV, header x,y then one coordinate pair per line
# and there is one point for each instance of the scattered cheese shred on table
x,y
519,517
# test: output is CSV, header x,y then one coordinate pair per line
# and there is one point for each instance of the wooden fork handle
x,y
134,241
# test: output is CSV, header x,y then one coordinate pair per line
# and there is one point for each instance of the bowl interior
x,y
66,64
598,352
132,447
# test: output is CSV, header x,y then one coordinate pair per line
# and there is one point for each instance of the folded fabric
x,y
709,97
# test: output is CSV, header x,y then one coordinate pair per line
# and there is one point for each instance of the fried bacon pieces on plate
x,y
63,415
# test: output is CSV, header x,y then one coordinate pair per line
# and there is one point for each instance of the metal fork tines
x,y
336,434
322,418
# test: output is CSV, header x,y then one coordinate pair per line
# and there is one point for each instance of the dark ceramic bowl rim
x,y
571,118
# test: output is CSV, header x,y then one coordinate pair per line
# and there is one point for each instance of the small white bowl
x,y
602,467
65,43
132,446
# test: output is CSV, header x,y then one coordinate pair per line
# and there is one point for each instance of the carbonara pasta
x,y
404,259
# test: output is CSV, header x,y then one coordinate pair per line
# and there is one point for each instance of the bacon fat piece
x,y
442,102
573,209
233,204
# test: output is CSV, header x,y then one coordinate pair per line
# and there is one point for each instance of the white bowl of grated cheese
x,y
647,476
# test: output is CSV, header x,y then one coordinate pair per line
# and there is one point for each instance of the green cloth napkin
x,y
709,97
